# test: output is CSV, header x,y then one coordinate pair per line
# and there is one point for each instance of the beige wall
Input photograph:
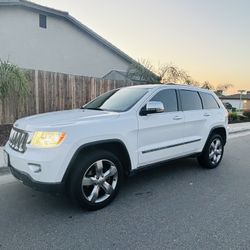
x,y
236,103
246,104
62,47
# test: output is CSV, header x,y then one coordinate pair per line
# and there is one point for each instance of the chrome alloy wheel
x,y
215,151
99,181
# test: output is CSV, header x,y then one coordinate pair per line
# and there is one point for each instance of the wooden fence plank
x,y
50,91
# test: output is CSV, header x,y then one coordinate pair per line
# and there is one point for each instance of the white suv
x,y
87,151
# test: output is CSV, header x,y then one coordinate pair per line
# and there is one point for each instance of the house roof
x,y
236,97
69,18
123,75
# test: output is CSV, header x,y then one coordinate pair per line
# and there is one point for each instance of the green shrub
x,y
247,113
13,81
232,116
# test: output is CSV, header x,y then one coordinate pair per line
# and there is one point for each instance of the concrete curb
x,y
1,158
233,129
239,131
4,171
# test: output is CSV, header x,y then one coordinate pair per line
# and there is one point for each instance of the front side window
x,y
118,100
168,98
209,101
190,100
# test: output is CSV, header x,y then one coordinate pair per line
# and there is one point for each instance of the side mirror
x,y
153,107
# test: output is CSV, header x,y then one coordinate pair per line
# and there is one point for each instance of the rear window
x,y
209,101
190,100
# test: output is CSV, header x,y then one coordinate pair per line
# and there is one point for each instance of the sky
x,y
210,39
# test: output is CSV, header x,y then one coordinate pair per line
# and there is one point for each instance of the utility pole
x,y
241,91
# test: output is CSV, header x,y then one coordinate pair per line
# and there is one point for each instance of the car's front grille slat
x,y
18,139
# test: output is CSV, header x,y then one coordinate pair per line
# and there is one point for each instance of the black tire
x,y
86,170
206,158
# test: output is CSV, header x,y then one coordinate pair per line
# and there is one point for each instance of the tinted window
x,y
117,100
168,98
42,21
209,101
190,100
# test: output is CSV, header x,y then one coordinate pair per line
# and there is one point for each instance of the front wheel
x,y
212,154
96,180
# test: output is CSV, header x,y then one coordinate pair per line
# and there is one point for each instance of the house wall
x,y
62,47
246,104
237,104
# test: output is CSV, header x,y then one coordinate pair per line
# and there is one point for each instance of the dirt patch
x,y
4,133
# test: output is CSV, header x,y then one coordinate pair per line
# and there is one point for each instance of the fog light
x,y
36,168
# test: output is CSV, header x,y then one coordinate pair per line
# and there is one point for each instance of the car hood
x,y
63,118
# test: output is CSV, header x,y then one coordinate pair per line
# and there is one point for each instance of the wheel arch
x,y
115,146
218,130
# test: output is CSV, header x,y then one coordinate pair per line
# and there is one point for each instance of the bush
x,y
247,114
232,116
13,81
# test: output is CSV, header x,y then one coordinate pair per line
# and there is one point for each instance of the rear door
x,y
211,111
211,107
194,130
160,134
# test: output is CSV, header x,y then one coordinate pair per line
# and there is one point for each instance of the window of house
x,y
209,101
168,98
190,100
42,21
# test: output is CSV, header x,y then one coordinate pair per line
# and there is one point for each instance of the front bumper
x,y
41,165
39,186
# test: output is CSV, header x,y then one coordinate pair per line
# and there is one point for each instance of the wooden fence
x,y
51,91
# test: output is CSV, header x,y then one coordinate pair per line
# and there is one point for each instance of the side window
x,y
168,98
209,101
190,100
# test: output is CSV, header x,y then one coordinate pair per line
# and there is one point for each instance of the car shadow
x,y
136,186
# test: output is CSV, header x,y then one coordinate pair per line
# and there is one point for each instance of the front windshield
x,y
118,100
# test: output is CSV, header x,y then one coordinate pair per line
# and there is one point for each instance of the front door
x,y
160,134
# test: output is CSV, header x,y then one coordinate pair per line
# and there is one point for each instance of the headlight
x,y
47,139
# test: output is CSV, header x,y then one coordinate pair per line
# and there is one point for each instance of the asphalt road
x,y
176,206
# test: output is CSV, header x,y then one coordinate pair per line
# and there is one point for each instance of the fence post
x,y
36,92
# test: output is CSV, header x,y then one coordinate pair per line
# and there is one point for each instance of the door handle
x,y
206,114
177,118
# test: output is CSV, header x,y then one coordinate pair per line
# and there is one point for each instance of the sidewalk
x,y
239,127
233,129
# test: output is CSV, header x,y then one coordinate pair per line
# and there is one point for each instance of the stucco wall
x,y
236,103
62,47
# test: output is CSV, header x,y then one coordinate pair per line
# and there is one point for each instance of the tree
x,y
13,83
172,73
143,70
207,85
224,86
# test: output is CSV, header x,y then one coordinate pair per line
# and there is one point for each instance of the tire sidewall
x,y
206,161
80,169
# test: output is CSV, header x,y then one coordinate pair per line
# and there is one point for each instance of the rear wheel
x,y
212,153
96,180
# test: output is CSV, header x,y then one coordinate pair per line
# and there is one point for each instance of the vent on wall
x,y
42,21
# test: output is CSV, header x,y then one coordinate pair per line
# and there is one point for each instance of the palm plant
x,y
14,84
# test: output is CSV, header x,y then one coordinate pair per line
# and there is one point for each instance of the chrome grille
x,y
18,139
